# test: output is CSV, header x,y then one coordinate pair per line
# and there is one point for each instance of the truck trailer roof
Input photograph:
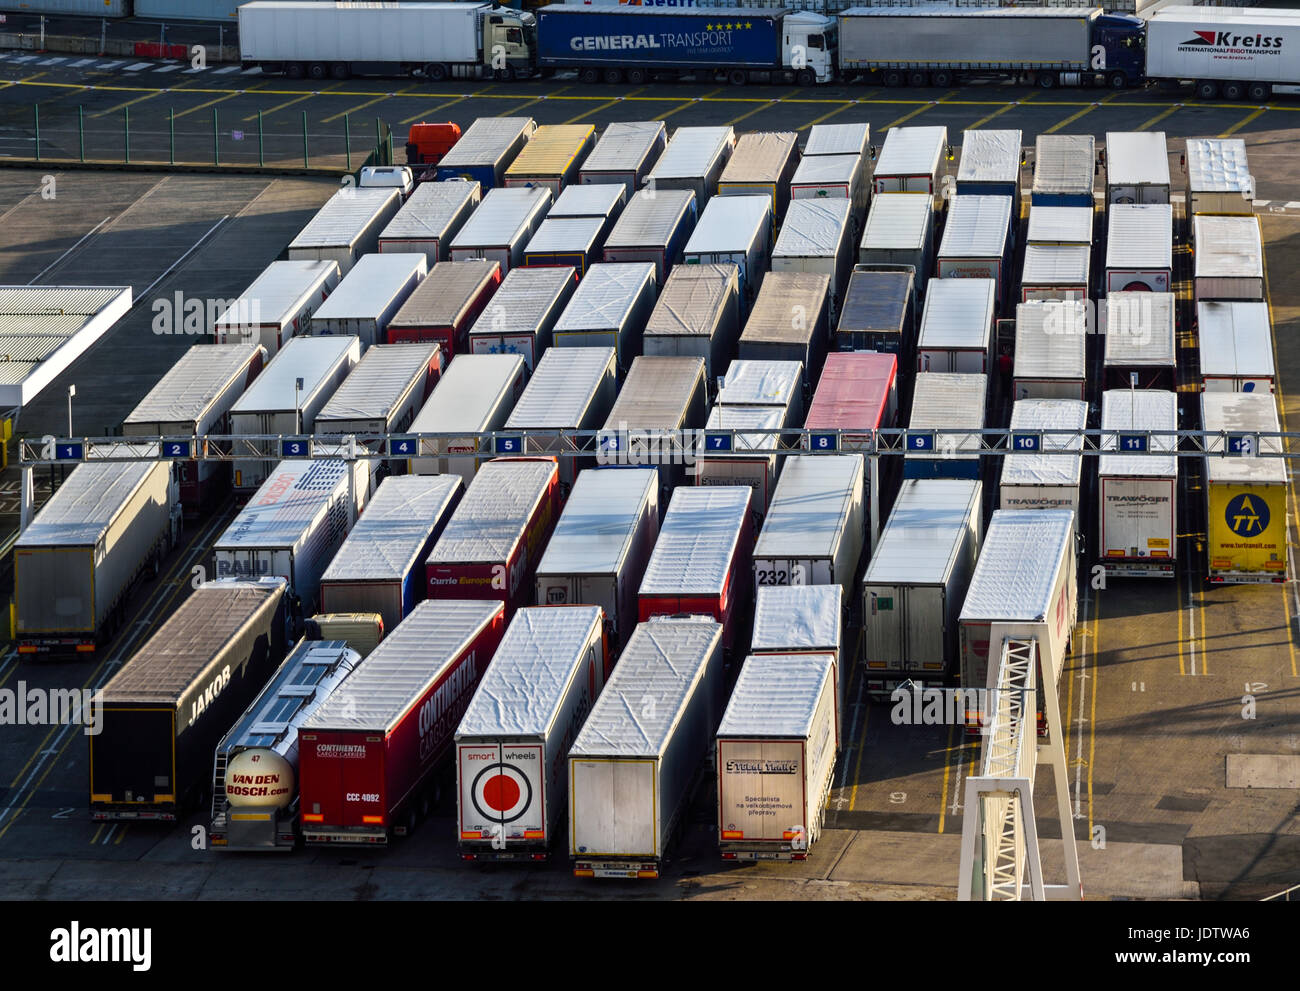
x,y
1017,565
82,509
791,617
1139,410
194,383
1043,416
1243,412
776,695
925,531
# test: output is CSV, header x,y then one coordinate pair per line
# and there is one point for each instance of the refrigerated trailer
x,y
430,218
491,546
163,712
486,149
693,160
805,620
635,763
624,154
609,308
910,160
193,399
654,419
445,305
1068,225
1137,167
838,139
511,744
382,394
762,164
552,157
1140,338
1228,259
1218,177
750,461
1056,271
76,562
379,568
1237,52
567,242
817,236
1140,247
916,581
736,230
776,757
1138,493
369,297
278,305
1064,170
945,401
1245,496
254,772
1045,479
1050,350
521,315
709,527
601,545
977,242
1236,347
500,228
653,229
369,754
790,321
990,165
475,395
900,231
957,326
347,227
697,315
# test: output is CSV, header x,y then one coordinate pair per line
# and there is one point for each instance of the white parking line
x,y
24,58
5,56
253,71
168,68
110,65
80,62
138,66
53,61
229,68
197,68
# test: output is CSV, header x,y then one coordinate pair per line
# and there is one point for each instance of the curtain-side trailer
x,y
430,218
278,305
475,395
521,315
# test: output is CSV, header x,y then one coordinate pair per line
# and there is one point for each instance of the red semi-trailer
x,y
368,756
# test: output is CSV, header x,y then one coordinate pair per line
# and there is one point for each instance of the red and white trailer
x,y
445,305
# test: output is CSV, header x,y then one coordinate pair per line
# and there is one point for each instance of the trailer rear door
x,y
614,811
503,791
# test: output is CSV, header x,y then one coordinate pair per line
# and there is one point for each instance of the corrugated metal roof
x,y
1138,410
752,382
312,359
694,300
1064,163
190,387
599,522
649,221
1060,225
931,519
1139,328
813,228
697,541
625,145
1227,247
1218,165
472,387
81,509
1235,339
729,224
593,200
524,298
562,388
1140,235
444,295
294,494
344,216
691,151
1056,265
797,617
16,350
853,391
977,227
386,541
502,217
405,665
1243,412
897,222
606,294
543,650
782,295
776,696
812,506
279,293
566,234
958,313
1018,564
370,286
486,140
491,517
1051,337
662,664
382,379
1136,157
989,156
911,151
1047,469
838,139
760,156
552,150
431,208
56,327
657,394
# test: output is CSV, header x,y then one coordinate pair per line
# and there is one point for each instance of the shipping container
x,y
278,305
495,538
634,766
776,757
915,584
520,318
697,314
804,620
254,774
1218,177
747,463
701,563
1056,271
900,231
1064,166
879,312
764,383
552,157
957,326
511,744
1050,350
610,308
814,529
1137,167
445,305
1235,342
566,242
486,149
838,139
653,229
276,404
944,401
346,227
736,229
380,566
163,712
1060,225
1245,495
1228,259
501,226
990,166
293,525
1024,587
654,419
817,236
571,389
427,222
1138,492
1043,479
762,164
790,321
693,160
368,298
368,755
1140,247
909,160
601,546
976,241
624,154
474,396
1140,335
382,394
76,561
191,400
822,177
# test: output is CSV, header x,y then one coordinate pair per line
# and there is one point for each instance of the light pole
x,y
72,391
297,406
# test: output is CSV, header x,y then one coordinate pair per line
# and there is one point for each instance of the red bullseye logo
x,y
501,793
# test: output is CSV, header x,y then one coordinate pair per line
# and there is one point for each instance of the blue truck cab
x,y
1119,45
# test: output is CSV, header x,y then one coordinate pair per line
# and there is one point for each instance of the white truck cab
x,y
810,43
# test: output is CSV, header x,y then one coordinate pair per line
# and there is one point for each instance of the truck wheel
x,y
1207,89
1259,92
893,78
294,70
318,70
1047,80
340,70
637,77
503,75
1234,90
1117,80
589,76
435,72
737,77
805,77
918,79
613,76
942,78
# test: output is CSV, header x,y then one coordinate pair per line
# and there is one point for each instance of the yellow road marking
x,y
862,746
122,833
997,113
682,106
1086,110
537,99
909,116
1281,412
128,103
1092,718
95,839
947,771
282,106
1157,118
201,106
424,114
606,104
1178,590
1253,115
369,103
19,82
829,113
750,113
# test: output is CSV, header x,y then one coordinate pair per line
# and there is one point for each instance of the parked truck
x,y
347,227
513,741
164,711
520,318
436,40
278,305
486,149
428,221
805,620
369,756
445,305
475,396
75,564
369,297
1138,492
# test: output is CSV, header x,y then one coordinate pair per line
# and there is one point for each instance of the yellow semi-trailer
x,y
552,157
1245,494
